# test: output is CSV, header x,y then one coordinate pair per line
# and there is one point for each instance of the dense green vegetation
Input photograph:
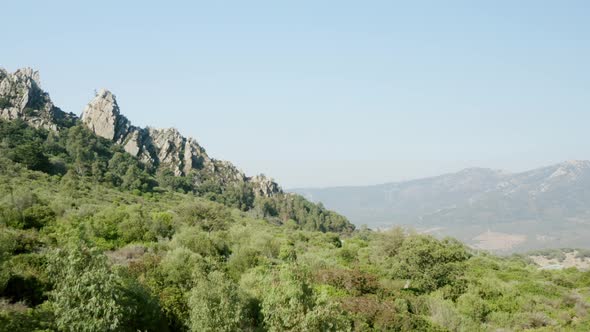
x,y
92,240
76,153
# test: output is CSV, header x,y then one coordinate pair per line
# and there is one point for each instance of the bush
x,y
87,295
430,264
5,102
208,216
38,216
355,282
473,306
215,304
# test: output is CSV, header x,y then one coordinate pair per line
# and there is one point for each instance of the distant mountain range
x,y
490,209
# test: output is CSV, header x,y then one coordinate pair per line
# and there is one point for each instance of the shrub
x,y
535,320
354,281
215,304
430,264
87,295
473,306
5,102
208,216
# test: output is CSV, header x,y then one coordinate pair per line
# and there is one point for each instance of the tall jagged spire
x,y
103,116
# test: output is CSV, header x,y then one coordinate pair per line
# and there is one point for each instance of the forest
x,y
93,240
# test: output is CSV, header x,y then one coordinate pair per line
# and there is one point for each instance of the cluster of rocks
x,y
22,98
157,147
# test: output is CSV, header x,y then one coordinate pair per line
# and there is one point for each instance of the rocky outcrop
x,y
165,148
21,97
103,117
264,186
157,147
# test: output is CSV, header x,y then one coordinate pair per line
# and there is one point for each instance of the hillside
x,y
160,150
105,145
489,209
78,254
97,238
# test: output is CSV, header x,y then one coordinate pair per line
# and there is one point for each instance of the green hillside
x,y
93,240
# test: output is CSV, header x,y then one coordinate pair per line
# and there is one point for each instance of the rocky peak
x,y
164,148
264,186
157,147
569,171
575,166
174,151
103,117
21,97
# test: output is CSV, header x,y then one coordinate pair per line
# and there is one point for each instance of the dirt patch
x,y
570,261
497,241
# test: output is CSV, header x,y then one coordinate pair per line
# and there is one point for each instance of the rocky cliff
x,y
21,97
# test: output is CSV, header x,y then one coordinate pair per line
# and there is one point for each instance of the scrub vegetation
x,y
91,240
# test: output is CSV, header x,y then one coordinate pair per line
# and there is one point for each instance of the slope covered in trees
x,y
91,240
75,152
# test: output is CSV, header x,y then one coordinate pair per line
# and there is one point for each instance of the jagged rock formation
x,y
264,186
21,97
164,148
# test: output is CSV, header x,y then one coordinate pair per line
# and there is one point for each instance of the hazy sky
x,y
318,93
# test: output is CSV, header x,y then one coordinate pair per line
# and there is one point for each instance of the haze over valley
x,y
548,207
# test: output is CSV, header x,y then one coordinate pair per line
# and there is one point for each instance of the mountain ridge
x,y
21,97
580,163
547,205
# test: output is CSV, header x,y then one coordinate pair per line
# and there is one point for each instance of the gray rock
x,y
103,117
165,148
264,186
21,97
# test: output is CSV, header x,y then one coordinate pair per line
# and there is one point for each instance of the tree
x,y
473,306
135,179
31,155
428,263
24,145
207,215
216,305
290,304
87,294
240,196
173,279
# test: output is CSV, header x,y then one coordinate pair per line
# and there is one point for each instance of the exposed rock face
x,y
103,117
165,148
157,147
264,186
21,97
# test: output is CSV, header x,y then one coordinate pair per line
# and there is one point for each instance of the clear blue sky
x,y
318,93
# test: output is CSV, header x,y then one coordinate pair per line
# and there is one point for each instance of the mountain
x,y
490,209
105,146
21,97
105,226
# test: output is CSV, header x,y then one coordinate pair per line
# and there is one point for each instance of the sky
x,y
327,93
